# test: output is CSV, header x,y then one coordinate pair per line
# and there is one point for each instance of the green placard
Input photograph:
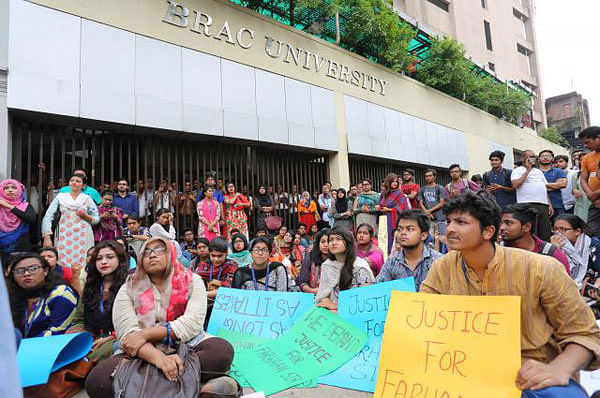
x,y
317,344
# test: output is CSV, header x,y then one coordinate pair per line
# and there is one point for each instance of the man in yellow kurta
x,y
559,335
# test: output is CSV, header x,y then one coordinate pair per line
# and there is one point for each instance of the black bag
x,y
134,378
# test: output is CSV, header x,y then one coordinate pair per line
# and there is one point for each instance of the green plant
x,y
553,135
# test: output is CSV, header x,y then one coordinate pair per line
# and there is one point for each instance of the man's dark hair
x,y
218,244
561,157
497,154
589,132
123,179
480,206
523,213
301,225
419,216
134,217
453,166
476,178
107,192
368,180
546,151
204,241
410,171
188,230
430,171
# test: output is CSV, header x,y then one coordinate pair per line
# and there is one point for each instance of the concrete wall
x,y
143,26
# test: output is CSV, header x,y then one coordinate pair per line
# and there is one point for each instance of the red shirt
x,y
223,273
557,254
408,189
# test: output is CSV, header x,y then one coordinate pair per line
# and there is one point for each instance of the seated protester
x,y
163,227
219,270
239,250
261,274
50,254
203,256
135,234
298,246
109,266
18,220
162,300
516,230
342,271
302,231
40,301
291,253
129,253
188,245
367,248
559,335
312,233
577,232
260,233
415,258
310,271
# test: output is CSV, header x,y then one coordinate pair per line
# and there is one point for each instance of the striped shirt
x,y
51,315
553,314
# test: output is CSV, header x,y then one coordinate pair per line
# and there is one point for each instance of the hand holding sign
x,y
458,346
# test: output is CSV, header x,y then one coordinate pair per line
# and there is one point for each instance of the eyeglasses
x,y
259,250
32,270
159,251
562,230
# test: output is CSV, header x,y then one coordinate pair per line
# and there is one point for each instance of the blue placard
x,y
366,308
40,356
257,313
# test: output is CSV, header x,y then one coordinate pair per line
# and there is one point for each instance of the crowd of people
x,y
96,264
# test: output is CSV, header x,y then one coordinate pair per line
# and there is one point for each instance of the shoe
x,y
221,387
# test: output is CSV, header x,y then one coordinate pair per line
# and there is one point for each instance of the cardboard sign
x,y
240,342
366,308
39,356
317,344
450,346
257,313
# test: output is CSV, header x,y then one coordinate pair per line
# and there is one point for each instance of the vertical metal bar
x,y
112,159
28,183
51,175
40,175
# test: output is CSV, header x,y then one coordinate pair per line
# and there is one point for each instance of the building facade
x,y
498,36
173,90
570,114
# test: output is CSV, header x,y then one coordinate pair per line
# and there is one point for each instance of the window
x,y
488,35
484,3
567,111
443,4
492,66
522,50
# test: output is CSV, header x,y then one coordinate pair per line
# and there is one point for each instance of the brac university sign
x,y
179,15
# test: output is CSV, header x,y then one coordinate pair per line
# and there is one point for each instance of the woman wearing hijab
x,y
17,219
78,212
263,206
342,271
240,253
163,301
307,211
341,211
393,203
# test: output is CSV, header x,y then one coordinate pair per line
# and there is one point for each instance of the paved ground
x,y
320,391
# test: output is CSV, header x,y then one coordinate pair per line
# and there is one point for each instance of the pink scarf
x,y
176,289
8,220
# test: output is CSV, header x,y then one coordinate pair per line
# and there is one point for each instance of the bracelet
x,y
168,339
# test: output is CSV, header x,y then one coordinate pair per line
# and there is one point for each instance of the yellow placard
x,y
437,346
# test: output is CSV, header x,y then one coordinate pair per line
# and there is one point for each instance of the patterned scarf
x,y
175,291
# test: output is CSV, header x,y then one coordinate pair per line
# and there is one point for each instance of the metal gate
x,y
361,168
47,153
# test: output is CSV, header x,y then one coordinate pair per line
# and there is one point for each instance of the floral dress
x,y
235,215
74,235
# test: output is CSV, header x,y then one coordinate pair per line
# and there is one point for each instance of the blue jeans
x,y
573,390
